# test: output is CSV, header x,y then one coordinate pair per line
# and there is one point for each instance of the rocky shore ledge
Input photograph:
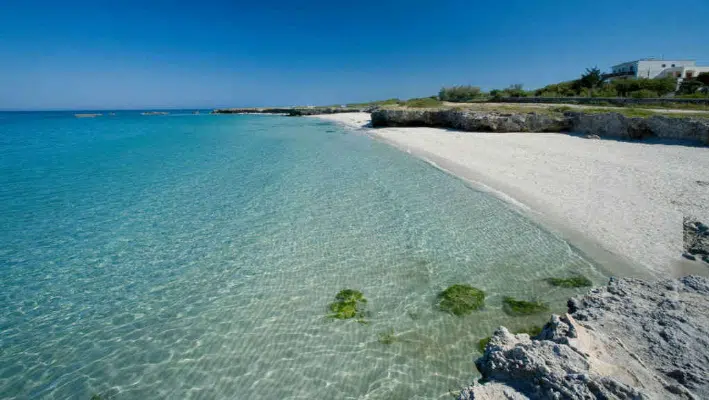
x,y
290,111
610,124
629,340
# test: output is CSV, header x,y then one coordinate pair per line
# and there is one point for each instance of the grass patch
x,y
628,112
573,282
561,109
387,337
425,102
515,307
460,300
349,303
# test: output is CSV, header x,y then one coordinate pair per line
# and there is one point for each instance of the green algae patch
x,y
460,300
387,337
482,343
515,307
573,282
349,303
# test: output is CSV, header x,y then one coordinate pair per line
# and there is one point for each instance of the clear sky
x,y
105,54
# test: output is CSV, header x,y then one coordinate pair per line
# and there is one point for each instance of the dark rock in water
x,y
696,238
689,256
629,340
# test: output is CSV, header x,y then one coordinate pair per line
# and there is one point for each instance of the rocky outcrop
x,y
616,125
468,120
629,340
609,124
696,240
290,111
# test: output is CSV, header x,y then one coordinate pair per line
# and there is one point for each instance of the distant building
x,y
651,68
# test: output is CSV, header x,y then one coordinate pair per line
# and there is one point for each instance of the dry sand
x,y
620,202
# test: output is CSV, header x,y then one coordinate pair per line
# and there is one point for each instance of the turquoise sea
x,y
194,256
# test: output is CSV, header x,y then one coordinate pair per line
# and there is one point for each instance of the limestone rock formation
x,y
290,111
629,340
609,124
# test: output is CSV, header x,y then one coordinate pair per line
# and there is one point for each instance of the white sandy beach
x,y
625,199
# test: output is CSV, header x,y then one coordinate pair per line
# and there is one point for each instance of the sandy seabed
x,y
621,202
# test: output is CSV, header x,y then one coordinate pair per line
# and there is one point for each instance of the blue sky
x,y
147,54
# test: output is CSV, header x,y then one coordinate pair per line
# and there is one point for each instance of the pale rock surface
x,y
629,340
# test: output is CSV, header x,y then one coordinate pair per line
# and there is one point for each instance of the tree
x,y
689,86
459,94
704,78
515,90
592,78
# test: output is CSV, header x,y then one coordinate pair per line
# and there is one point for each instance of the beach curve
x,y
621,203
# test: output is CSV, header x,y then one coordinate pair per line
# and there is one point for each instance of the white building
x,y
651,68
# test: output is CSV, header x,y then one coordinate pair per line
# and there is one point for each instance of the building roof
x,y
655,59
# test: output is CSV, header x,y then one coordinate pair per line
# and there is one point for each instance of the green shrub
x,y
573,282
605,91
660,87
496,94
459,94
515,90
643,94
689,86
516,307
696,95
349,304
563,89
461,299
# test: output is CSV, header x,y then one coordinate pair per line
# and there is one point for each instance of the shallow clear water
x,y
195,257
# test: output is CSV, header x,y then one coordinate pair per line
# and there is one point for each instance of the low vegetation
x,y
349,303
424,102
460,94
515,307
460,300
573,282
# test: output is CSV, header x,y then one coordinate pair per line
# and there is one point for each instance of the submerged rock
x,y
629,340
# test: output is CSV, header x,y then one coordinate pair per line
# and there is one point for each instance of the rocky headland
x,y
604,124
629,340
290,111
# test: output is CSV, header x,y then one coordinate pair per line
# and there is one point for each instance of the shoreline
x,y
605,206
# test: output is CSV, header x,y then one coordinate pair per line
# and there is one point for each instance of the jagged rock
x,y
617,125
468,120
696,239
629,340
592,125
592,137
